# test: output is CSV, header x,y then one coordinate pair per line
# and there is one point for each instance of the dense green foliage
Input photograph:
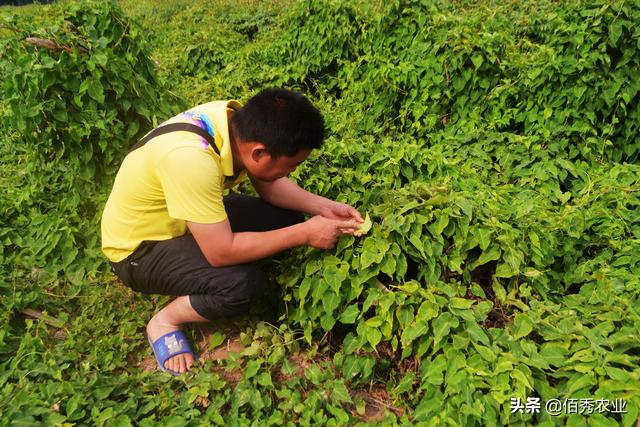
x,y
71,111
495,145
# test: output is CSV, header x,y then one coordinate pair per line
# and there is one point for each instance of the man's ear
x,y
258,152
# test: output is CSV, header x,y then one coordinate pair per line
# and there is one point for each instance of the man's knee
x,y
244,286
249,285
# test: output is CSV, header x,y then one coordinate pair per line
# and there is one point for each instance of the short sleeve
x,y
192,183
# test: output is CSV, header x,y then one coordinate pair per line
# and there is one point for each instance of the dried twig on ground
x,y
49,320
47,44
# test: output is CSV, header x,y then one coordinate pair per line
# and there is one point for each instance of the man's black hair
x,y
283,120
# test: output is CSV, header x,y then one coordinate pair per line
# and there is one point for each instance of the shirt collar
x,y
216,112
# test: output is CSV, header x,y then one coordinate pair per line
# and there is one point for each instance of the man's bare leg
x,y
169,319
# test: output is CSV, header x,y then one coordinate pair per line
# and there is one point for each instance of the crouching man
x,y
168,229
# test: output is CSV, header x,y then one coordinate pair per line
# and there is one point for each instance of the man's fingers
x,y
348,225
356,214
349,229
351,212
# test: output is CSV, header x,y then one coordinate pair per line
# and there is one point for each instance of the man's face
x,y
264,167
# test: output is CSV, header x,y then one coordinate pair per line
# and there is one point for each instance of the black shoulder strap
x,y
177,127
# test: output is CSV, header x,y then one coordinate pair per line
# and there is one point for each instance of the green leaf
x,y
503,365
466,206
318,291
367,258
435,371
499,291
216,339
580,382
264,379
417,242
476,333
311,267
484,239
477,60
460,303
389,265
252,368
532,272
442,325
339,392
60,114
335,276
519,376
100,58
615,31
485,352
327,321
314,374
351,367
173,421
505,270
440,224
374,322
276,355
350,314
288,367
373,296
523,325
405,316
373,251
491,254
373,336
405,385
554,353
427,311
96,91
330,302
412,332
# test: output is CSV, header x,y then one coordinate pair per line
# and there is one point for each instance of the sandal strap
x,y
169,345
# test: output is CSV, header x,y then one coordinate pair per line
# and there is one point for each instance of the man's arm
x,y
222,247
287,194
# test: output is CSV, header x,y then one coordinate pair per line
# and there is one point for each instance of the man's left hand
x,y
340,211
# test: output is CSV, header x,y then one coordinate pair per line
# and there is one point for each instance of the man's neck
x,y
233,140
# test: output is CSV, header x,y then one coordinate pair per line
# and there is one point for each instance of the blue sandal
x,y
170,345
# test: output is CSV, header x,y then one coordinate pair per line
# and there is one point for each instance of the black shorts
x,y
178,267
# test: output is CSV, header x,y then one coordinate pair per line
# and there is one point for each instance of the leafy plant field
x,y
494,144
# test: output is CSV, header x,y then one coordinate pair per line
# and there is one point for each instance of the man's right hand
x,y
323,233
222,247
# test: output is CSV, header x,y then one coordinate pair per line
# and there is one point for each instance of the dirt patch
x,y
377,402
200,345
231,345
202,402
148,364
302,363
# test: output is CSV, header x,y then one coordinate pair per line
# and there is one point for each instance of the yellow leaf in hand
x,y
364,227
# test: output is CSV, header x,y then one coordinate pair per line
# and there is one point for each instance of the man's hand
x,y
287,194
323,233
340,211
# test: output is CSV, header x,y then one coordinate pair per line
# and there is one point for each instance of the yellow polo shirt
x,y
173,178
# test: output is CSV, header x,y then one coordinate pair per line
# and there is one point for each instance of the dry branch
x,y
47,44
381,286
49,320
374,401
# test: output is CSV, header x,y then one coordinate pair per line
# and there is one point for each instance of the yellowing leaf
x,y
532,273
364,227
